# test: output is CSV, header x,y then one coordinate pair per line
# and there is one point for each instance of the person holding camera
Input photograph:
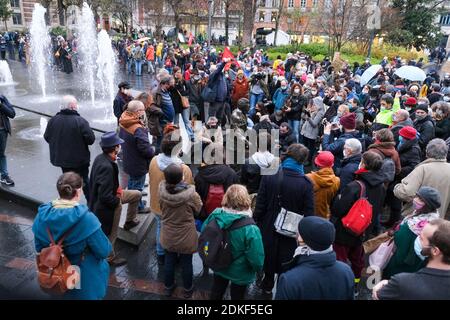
x,y
258,90
312,117
295,104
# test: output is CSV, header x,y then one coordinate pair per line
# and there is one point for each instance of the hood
x,y
164,161
214,173
130,121
407,144
225,219
356,158
372,178
407,122
318,102
177,199
60,216
263,159
324,177
387,148
316,261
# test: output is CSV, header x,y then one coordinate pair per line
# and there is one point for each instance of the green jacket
x,y
385,116
404,258
246,247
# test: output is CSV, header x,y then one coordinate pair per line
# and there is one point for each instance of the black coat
x,y
443,128
375,193
119,103
410,156
103,185
69,137
251,176
6,112
220,174
426,129
298,196
347,172
137,151
287,139
298,103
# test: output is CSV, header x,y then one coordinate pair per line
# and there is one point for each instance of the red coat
x,y
240,90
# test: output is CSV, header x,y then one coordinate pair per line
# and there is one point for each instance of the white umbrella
x,y
411,73
370,73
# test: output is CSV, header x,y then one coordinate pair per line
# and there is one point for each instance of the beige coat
x,y
156,175
178,232
432,173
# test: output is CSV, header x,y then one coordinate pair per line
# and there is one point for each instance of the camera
x,y
258,76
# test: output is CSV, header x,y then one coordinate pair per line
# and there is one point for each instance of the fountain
x,y
106,63
40,44
5,73
87,48
34,133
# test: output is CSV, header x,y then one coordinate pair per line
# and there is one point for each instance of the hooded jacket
x,y
246,248
375,193
425,128
217,174
279,98
240,90
410,155
178,232
326,185
286,139
137,150
337,147
156,175
316,277
119,103
347,172
85,246
310,128
387,150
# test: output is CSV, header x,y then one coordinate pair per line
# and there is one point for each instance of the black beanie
x,y
430,196
318,233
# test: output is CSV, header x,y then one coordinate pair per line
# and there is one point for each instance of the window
x,y
17,18
15,3
274,16
290,3
315,3
275,3
262,15
303,4
445,20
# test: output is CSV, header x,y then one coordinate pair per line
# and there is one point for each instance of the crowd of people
x,y
333,141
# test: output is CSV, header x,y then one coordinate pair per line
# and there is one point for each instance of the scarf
x,y
247,213
417,222
290,163
64,204
306,251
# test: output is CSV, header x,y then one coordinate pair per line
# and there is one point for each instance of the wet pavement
x,y
29,165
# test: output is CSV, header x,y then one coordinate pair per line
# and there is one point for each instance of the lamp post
x,y
210,4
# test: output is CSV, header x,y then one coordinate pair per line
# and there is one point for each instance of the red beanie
x,y
348,121
324,159
411,101
408,132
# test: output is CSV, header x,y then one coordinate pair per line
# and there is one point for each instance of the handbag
x,y
287,221
373,244
57,54
185,102
381,256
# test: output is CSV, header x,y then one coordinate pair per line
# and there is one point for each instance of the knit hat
x,y
422,107
411,101
408,132
430,196
348,121
324,159
318,233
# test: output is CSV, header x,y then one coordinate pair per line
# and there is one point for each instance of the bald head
x,y
69,102
135,106
402,115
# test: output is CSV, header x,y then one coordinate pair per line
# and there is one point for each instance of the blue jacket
x,y
86,246
6,112
218,83
337,147
347,172
316,277
279,97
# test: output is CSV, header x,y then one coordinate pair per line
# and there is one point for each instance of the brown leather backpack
x,y
56,274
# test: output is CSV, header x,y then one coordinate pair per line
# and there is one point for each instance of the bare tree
x,y
249,7
277,21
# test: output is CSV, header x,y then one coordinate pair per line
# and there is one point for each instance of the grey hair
x,y
404,114
166,79
69,102
437,149
354,145
135,105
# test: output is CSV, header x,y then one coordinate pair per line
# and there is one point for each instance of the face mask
x,y
248,68
344,153
365,91
408,109
421,117
339,114
418,205
446,98
382,109
283,87
297,91
196,78
400,139
394,118
314,92
418,248
339,99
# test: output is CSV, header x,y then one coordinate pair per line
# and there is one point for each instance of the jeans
x,y
169,269
254,99
159,249
294,124
217,110
3,166
220,285
138,65
83,171
150,68
129,65
185,116
137,183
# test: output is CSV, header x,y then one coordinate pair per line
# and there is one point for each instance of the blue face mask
x,y
400,139
418,249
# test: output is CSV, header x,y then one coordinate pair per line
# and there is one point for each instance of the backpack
x,y
214,198
213,244
388,169
359,217
138,54
56,274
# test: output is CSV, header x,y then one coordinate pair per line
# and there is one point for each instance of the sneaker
x,y
356,288
168,291
161,259
187,293
116,262
7,180
144,210
130,224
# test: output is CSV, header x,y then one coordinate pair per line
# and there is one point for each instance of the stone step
x,y
135,235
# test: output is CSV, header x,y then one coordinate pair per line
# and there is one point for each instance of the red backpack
x,y
359,217
214,198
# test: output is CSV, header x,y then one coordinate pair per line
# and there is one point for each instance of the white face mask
x,y
297,91
344,152
360,166
418,248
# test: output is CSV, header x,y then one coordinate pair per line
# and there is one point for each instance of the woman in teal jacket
x,y
86,246
246,245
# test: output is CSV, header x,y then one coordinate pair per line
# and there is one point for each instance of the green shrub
x,y
59,31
